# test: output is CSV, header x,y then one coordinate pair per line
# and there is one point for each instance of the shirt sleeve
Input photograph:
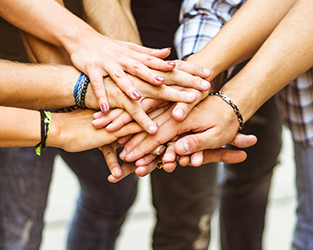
x,y
200,21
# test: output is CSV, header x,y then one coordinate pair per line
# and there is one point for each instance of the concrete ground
x,y
136,231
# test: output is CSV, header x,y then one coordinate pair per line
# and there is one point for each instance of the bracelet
x,y
80,90
233,105
45,122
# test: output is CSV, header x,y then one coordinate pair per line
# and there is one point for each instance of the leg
x,y
303,235
184,201
24,187
245,187
101,206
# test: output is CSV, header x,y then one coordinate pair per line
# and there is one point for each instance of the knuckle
x,y
194,143
119,73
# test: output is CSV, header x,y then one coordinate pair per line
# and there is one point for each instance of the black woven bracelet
x,y
233,105
45,119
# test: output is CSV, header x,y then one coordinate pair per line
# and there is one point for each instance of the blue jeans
x,y
24,186
184,201
245,186
303,234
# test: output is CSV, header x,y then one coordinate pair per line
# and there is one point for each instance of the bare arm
x,y
92,53
119,22
243,35
285,55
21,128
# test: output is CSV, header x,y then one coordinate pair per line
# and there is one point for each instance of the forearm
x,y
19,127
45,20
37,86
118,23
242,36
285,55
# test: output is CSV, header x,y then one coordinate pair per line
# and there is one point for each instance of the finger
x,y
244,141
120,78
111,158
184,79
209,139
197,159
119,122
184,160
136,140
96,81
193,69
160,53
146,160
181,110
123,140
170,154
127,168
224,155
101,119
145,170
169,158
159,150
172,94
136,149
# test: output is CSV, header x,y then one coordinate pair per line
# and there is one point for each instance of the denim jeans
x,y
184,202
245,186
303,234
24,182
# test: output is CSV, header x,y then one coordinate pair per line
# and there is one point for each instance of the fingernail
x,y
104,107
179,113
136,94
159,78
169,48
186,146
130,154
190,96
123,154
161,149
97,115
171,63
183,146
206,71
116,172
196,160
152,129
205,84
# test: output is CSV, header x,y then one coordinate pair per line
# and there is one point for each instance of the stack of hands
x,y
167,121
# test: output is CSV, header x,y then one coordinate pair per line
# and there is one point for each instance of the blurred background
x,y
137,229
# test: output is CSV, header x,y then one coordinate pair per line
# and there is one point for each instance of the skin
x,y
90,52
263,76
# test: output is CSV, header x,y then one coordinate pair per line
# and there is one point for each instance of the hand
x,y
180,86
210,125
118,172
210,155
73,131
98,56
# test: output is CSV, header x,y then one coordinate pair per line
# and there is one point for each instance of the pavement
x,y
137,229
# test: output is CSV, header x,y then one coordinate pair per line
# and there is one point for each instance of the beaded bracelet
x,y
45,121
80,90
233,105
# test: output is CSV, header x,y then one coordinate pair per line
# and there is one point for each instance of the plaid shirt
x,y
201,20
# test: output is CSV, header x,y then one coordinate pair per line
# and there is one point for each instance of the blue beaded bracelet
x,y
80,90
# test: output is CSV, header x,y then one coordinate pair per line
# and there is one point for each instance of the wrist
x,y
54,138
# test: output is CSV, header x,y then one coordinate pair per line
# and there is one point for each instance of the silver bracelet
x,y
233,105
